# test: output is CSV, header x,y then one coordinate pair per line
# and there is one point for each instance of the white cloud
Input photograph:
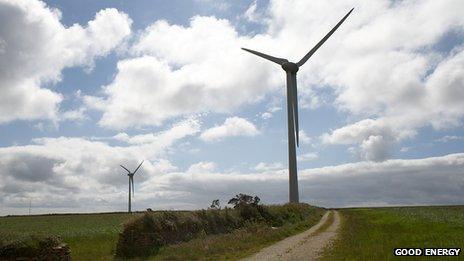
x,y
251,14
448,138
232,127
379,77
270,112
75,115
266,115
405,149
274,109
221,5
428,181
202,167
71,172
77,172
445,91
376,67
375,137
187,127
397,96
263,166
35,47
362,130
381,66
376,148
183,70
308,157
304,138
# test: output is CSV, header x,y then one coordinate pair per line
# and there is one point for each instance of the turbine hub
x,y
290,67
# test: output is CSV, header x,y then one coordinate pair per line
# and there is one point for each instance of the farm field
x,y
94,236
88,235
373,233
366,234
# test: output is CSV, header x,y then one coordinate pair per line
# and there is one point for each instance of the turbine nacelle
x,y
290,67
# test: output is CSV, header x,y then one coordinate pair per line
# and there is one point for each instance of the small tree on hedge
x,y
244,199
215,204
247,206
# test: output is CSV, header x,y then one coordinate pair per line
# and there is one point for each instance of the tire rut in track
x,y
306,245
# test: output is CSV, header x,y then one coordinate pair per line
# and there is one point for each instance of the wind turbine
x,y
292,105
131,182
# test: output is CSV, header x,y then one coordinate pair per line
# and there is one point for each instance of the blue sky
x,y
90,85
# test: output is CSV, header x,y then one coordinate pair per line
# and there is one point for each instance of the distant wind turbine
x,y
131,182
292,106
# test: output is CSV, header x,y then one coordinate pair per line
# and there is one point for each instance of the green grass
x,y
89,235
94,236
366,234
327,224
235,245
373,233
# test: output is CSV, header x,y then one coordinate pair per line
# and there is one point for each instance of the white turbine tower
x,y
131,183
292,105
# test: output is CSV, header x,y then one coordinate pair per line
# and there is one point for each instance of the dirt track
x,y
304,246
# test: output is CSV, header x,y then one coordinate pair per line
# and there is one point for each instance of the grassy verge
x,y
327,224
88,235
372,234
238,244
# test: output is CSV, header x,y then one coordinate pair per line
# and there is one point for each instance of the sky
x,y
88,85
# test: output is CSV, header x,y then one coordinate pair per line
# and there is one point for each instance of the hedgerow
x,y
34,248
145,235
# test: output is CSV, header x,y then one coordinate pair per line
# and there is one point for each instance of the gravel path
x,y
304,246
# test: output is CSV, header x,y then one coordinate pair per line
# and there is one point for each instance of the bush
x,y
244,199
250,213
35,248
144,236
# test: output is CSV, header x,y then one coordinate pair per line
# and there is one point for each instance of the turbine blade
x,y
267,57
138,167
295,109
124,168
321,42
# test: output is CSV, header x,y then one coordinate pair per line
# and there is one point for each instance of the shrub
x,y
249,213
138,238
243,199
215,204
145,235
35,248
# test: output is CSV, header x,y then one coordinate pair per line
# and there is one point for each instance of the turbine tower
x,y
131,183
292,106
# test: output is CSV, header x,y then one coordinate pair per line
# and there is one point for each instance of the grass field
x,y
88,235
94,236
373,233
366,234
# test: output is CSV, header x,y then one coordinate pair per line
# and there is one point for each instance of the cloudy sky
x,y
88,85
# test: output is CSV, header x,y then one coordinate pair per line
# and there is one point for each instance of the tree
x,y
244,199
215,204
